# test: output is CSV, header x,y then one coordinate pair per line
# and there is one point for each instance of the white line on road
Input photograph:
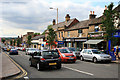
x,y
79,71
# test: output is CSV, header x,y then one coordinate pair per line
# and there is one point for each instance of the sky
x,y
17,17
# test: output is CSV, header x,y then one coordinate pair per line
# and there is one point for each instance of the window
x,y
80,33
96,28
68,34
59,34
62,34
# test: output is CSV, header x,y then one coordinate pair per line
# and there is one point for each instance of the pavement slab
x,y
8,67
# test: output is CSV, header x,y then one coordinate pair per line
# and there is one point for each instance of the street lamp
x,y
57,12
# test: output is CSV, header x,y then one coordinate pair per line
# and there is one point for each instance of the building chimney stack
x,y
67,17
92,15
54,22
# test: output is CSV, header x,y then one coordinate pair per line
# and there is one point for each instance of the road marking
x,y
24,72
79,71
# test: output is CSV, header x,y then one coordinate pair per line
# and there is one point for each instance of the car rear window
x,y
50,53
64,51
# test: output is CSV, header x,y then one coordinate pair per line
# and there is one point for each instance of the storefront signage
x,y
67,39
60,42
96,35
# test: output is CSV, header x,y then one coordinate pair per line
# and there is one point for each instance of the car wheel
x,y
73,61
81,58
94,60
30,62
59,66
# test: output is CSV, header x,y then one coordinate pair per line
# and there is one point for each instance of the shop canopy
x,y
93,41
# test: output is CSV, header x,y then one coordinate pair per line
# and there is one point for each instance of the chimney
x,y
54,22
92,15
67,17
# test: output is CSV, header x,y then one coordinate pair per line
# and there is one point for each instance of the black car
x,y
46,58
13,51
4,48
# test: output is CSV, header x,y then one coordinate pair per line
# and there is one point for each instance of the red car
x,y
66,55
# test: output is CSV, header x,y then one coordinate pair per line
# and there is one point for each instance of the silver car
x,y
94,55
31,51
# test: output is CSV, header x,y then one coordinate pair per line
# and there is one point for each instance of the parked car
x,y
8,49
4,48
13,51
75,51
45,59
66,55
94,55
31,51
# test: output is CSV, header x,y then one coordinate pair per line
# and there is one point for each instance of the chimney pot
x,y
67,17
54,22
90,12
93,12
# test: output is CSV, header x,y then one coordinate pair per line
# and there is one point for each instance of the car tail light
x,y
42,59
59,57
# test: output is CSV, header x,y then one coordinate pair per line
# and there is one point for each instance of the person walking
x,y
117,51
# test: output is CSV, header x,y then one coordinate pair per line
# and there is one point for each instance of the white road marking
x,y
79,71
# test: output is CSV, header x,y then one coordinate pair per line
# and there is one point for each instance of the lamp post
x,y
57,12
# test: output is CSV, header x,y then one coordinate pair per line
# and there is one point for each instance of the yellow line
x,y
24,72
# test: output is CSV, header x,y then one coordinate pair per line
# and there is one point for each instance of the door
x,y
89,55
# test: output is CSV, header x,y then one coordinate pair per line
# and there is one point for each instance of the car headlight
x,y
74,54
63,55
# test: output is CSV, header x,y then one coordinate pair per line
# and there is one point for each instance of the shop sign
x,y
60,42
96,35
67,39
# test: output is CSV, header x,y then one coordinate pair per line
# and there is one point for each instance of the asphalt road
x,y
80,69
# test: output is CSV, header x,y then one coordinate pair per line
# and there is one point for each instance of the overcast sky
x,y
17,17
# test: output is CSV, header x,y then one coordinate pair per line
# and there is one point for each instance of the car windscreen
x,y
50,53
64,51
72,49
97,52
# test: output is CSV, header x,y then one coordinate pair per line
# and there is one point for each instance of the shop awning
x,y
93,41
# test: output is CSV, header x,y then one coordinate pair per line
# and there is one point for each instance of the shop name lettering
x,y
97,35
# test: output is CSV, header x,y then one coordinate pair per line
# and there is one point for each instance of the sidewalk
x,y
8,68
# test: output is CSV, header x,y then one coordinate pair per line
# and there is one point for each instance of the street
x,y
80,69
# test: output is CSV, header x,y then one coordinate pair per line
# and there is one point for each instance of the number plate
x,y
52,63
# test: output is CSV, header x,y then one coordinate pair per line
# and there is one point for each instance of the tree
x,y
51,37
14,42
18,42
3,40
11,42
35,34
108,23
48,27
29,40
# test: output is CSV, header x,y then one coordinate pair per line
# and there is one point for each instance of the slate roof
x,y
38,37
62,24
117,8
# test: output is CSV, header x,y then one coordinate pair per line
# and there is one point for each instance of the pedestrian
x,y
117,51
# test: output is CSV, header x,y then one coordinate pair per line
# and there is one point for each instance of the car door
x,y
89,55
84,53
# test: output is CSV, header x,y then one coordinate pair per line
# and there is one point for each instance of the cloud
x,y
34,15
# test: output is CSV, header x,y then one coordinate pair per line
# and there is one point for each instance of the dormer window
x,y
96,28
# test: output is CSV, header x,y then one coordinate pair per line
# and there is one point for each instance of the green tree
x,y
11,42
108,23
29,40
14,42
3,40
48,27
18,42
35,34
51,37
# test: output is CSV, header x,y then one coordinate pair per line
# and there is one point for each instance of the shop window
x,y
68,33
96,28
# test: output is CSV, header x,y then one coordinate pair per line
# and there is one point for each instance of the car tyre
x,y
95,60
73,61
81,58
59,66
30,62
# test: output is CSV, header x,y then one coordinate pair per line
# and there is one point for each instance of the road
x,y
80,69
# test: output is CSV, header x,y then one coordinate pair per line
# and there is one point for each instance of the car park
x,y
13,51
31,51
45,59
94,55
66,55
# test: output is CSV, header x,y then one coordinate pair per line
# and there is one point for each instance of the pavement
x,y
7,67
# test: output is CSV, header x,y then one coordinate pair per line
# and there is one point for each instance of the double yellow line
x,y
19,76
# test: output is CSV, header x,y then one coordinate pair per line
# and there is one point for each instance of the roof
x,y
38,37
62,24
117,8
81,24
93,41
